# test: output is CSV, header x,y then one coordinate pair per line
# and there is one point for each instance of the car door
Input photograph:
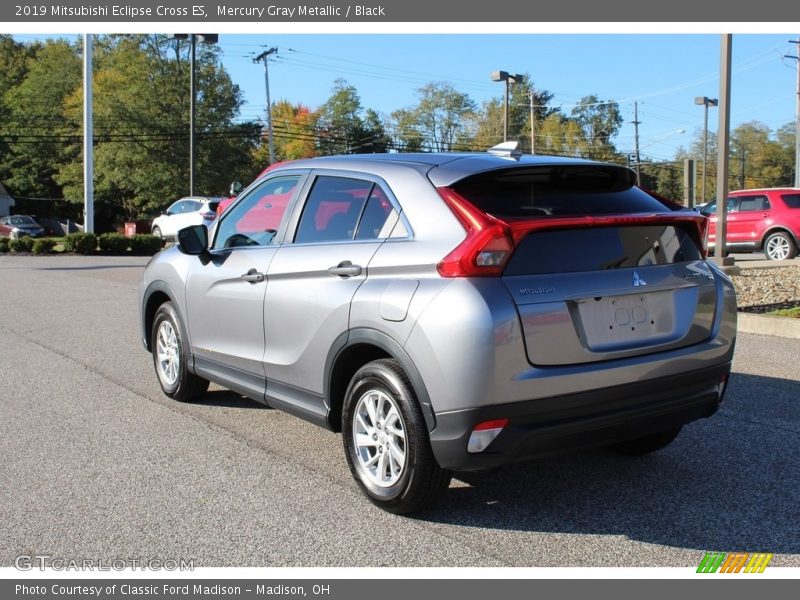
x,y
750,222
225,291
312,279
168,223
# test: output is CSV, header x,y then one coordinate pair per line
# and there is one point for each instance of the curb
x,y
786,327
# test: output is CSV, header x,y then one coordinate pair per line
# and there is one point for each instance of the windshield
x,y
21,221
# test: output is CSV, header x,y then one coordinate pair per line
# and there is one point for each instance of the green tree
x,y
345,127
295,133
489,121
34,126
141,107
601,122
440,120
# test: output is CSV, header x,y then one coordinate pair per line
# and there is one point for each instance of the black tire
x,y
184,385
647,444
157,232
780,246
420,481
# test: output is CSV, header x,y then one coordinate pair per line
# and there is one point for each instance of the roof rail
x,y
509,149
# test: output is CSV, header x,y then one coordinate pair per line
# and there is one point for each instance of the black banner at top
x,y
394,11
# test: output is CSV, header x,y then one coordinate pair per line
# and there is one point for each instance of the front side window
x,y
256,217
175,208
753,203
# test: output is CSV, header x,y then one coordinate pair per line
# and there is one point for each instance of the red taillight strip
x,y
485,235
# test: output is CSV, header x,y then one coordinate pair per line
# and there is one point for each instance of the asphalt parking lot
x,y
97,463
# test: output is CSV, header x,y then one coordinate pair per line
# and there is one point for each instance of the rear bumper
x,y
570,422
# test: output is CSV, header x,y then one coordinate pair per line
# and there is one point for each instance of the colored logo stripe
x,y
758,562
711,562
734,562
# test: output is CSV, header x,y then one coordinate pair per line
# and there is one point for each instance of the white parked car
x,y
194,210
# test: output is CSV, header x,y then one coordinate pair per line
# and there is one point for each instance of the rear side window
x,y
791,200
598,249
753,203
549,191
344,208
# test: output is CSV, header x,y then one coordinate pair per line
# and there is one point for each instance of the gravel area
x,y
768,289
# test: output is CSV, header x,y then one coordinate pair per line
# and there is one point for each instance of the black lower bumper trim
x,y
565,423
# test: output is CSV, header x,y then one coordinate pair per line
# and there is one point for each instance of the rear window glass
x,y
558,192
791,200
212,206
598,249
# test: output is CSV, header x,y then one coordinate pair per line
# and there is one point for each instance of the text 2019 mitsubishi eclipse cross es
x,y
449,312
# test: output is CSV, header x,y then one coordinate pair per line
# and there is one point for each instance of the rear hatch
x,y
600,269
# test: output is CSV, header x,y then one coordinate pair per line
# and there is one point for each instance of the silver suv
x,y
449,312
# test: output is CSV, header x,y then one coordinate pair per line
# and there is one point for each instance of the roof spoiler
x,y
507,149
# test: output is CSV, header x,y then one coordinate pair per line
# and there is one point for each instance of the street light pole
x,y
193,43
205,38
797,118
88,138
706,102
508,79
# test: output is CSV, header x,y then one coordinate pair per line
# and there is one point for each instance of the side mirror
x,y
236,187
193,240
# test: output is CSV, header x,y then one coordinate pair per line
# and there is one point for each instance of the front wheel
x,y
386,441
647,444
780,246
170,356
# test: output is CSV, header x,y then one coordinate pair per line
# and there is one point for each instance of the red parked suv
x,y
764,219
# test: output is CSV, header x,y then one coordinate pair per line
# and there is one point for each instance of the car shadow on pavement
x,y
226,399
728,483
90,268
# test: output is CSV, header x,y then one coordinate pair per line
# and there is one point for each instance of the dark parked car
x,y
17,226
449,312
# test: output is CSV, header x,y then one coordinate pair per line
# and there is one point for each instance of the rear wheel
x,y
647,444
386,441
780,246
157,233
170,356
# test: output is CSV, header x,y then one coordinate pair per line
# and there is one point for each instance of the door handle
x,y
346,269
253,276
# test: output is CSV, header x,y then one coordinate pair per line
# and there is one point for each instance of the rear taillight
x,y
487,247
704,237
208,216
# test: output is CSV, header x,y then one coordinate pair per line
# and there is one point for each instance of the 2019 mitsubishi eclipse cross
x,y
449,312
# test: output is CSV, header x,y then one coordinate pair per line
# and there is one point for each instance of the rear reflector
x,y
484,434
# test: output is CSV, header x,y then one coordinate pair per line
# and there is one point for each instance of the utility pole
x,y
264,56
88,138
533,124
797,117
741,164
636,123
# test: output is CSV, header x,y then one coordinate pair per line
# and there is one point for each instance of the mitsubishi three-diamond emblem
x,y
638,281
